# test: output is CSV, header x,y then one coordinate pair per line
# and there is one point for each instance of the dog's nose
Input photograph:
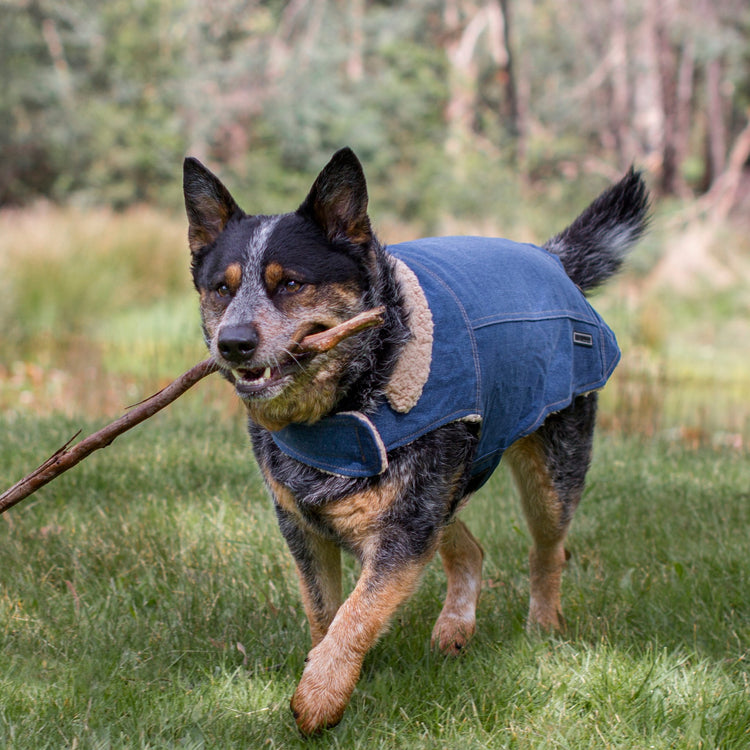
x,y
237,343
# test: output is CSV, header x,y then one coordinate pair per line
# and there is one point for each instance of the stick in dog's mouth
x,y
66,457
264,380
317,343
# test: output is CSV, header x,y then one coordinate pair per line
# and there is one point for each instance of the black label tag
x,y
583,339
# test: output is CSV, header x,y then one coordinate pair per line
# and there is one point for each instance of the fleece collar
x,y
413,366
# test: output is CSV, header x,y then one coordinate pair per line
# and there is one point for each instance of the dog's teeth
x,y
266,373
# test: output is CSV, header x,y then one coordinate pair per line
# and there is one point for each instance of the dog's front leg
x,y
320,585
333,666
318,562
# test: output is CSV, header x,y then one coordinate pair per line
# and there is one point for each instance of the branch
x,y
318,343
720,199
66,457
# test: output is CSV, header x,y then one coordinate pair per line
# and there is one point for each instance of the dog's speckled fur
x,y
267,281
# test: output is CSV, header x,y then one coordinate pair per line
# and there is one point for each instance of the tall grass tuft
x,y
66,271
96,308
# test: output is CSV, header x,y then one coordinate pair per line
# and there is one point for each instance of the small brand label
x,y
583,339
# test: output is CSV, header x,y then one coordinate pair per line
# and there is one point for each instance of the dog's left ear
x,y
337,201
208,204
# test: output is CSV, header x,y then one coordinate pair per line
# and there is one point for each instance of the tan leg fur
x,y
327,587
333,666
543,510
462,558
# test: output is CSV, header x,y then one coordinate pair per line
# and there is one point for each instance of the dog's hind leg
x,y
462,558
550,467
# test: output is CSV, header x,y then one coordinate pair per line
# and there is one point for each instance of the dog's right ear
x,y
208,204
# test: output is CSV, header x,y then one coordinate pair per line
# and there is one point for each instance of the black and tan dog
x,y
488,347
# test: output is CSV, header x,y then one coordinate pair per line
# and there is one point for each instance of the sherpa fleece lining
x,y
413,367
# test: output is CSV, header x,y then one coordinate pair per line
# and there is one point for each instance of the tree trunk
x,y
716,141
620,112
515,124
459,112
667,64
355,66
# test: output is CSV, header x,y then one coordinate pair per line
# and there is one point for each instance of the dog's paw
x,y
323,693
544,617
451,633
311,717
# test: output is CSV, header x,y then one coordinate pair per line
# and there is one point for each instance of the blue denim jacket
x,y
514,340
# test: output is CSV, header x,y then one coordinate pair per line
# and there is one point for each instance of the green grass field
x,y
147,599
148,602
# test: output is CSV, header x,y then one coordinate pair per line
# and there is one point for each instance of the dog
x,y
487,349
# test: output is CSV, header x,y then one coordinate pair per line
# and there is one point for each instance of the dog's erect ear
x,y
208,204
337,201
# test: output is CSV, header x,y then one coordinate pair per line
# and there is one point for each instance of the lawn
x,y
148,601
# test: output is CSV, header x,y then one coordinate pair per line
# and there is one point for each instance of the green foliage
x,y
91,108
101,101
148,601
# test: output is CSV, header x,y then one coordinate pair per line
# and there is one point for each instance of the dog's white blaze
x,y
259,240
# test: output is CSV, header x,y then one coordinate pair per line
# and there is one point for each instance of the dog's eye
x,y
290,286
223,290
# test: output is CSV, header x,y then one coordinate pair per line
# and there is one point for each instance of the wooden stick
x,y
318,343
65,458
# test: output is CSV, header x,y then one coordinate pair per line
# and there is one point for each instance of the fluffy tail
x,y
594,246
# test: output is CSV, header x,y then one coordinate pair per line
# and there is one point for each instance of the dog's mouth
x,y
267,380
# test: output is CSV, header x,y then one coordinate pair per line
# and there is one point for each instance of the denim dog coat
x,y
510,339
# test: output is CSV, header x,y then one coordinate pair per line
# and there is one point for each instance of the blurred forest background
x,y
502,116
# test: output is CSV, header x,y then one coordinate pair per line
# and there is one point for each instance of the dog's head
x,y
266,282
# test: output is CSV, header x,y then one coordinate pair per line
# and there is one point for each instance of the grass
x,y
148,602
68,272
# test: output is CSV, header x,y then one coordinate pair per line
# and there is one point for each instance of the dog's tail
x,y
594,246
